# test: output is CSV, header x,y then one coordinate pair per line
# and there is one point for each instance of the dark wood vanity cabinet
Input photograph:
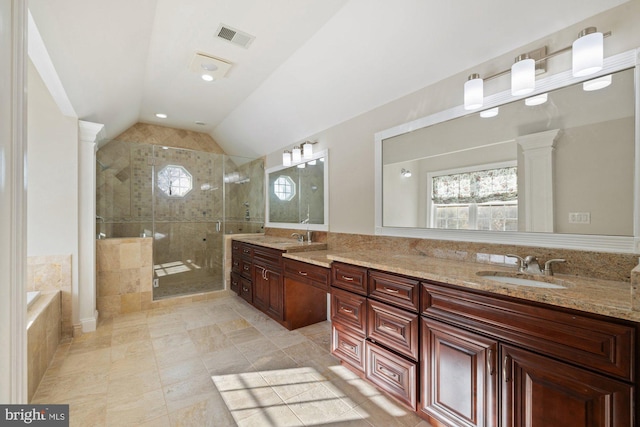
x,y
469,358
493,361
375,328
291,292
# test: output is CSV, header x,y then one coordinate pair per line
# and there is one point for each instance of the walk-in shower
x,y
186,201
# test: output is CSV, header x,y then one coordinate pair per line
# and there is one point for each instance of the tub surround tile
x,y
43,337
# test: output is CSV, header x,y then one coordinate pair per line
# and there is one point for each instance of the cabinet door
x,y
458,376
538,391
275,303
260,287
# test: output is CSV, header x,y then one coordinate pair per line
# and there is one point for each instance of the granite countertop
x,y
319,258
281,243
610,298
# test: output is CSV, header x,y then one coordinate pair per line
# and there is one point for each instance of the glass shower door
x,y
187,222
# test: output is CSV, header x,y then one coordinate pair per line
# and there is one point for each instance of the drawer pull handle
x,y
388,372
348,346
391,290
245,289
391,328
347,278
346,310
246,251
303,273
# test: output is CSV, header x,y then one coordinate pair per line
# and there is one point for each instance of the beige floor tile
x,y
281,416
130,334
383,410
255,348
317,406
227,361
212,412
146,407
275,360
233,325
188,392
94,361
133,385
129,319
182,370
245,335
94,414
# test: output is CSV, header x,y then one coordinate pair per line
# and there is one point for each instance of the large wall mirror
x,y
558,170
298,196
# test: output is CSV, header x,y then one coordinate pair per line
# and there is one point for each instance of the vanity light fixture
x,y
492,112
405,173
597,84
588,52
473,92
536,100
298,153
296,156
587,58
523,75
286,158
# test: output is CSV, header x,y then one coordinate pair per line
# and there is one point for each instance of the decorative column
x,y
13,201
89,135
536,179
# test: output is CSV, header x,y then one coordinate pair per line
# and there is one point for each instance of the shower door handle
x,y
218,226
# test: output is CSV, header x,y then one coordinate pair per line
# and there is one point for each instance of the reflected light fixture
x,y
492,112
473,92
405,173
596,84
588,52
523,75
161,115
536,100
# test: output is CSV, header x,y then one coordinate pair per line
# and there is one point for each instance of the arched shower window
x,y
175,181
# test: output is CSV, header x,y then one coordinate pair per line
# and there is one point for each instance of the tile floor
x,y
211,363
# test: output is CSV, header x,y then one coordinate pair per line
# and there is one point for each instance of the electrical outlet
x,y
579,217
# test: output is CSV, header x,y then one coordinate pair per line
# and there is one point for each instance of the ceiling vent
x,y
237,37
204,64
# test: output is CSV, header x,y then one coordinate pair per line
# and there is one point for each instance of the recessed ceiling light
x,y
161,115
207,77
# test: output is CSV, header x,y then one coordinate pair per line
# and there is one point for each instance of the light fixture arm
x,y
544,58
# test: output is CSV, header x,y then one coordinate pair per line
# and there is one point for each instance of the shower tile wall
x,y
245,194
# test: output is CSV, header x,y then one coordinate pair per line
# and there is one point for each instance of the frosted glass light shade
x,y
297,154
536,100
596,84
492,112
588,53
523,76
473,92
307,150
286,158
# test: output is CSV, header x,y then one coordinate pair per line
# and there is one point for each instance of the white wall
x,y
351,144
52,175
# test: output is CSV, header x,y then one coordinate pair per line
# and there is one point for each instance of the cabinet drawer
x,y
245,290
307,273
269,256
245,268
397,290
347,346
349,277
392,373
235,283
236,248
592,342
349,309
394,328
236,265
246,250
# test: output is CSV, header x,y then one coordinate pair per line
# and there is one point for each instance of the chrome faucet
x,y
99,218
298,236
529,265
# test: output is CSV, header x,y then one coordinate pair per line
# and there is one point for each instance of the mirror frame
x,y
599,243
297,225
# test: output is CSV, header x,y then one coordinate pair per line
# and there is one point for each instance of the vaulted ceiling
x,y
313,63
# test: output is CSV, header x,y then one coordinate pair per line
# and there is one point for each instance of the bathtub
x,y
32,297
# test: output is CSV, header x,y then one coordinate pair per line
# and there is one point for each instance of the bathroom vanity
x,y
290,292
462,350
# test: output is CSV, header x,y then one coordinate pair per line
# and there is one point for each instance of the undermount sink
x,y
513,279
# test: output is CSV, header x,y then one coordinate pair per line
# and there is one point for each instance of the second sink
x,y
521,281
